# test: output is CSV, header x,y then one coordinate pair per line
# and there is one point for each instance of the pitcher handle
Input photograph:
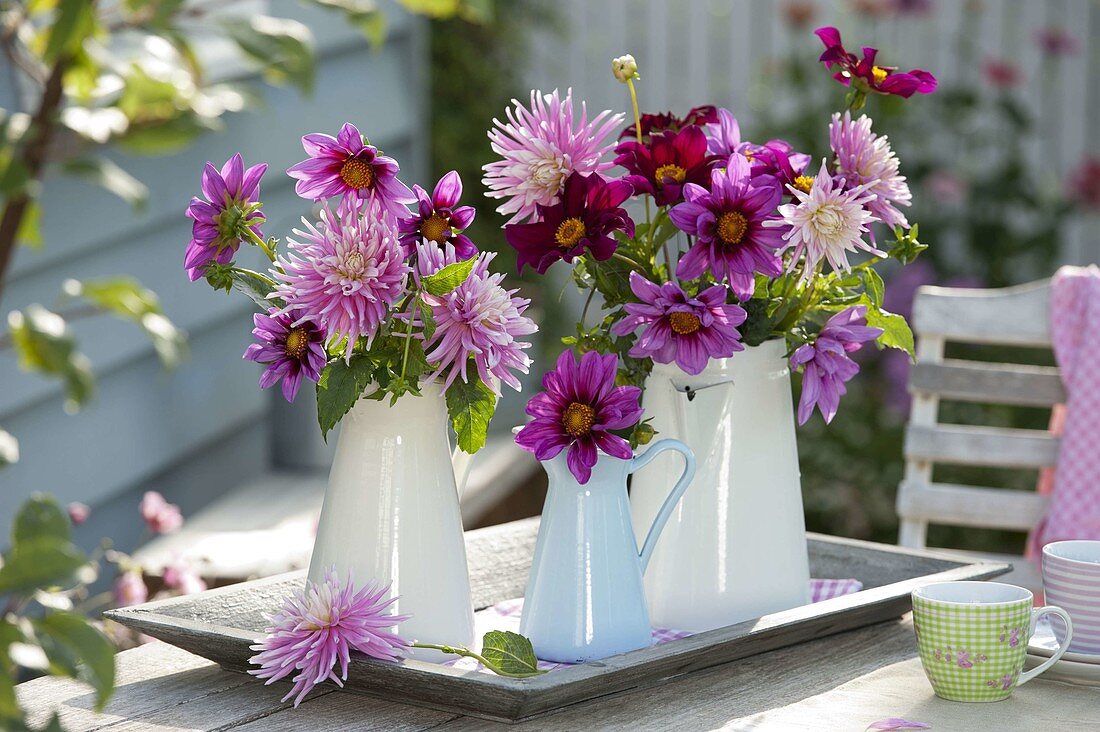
x,y
673,498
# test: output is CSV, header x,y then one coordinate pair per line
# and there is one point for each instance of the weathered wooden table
x,y
843,682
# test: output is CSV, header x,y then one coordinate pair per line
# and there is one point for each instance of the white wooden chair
x,y
1012,316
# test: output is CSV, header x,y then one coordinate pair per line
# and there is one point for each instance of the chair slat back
x,y
1011,316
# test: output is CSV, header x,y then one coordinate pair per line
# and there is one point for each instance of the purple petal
x,y
897,723
448,190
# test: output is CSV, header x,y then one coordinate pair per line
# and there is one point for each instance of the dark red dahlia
x,y
670,160
667,121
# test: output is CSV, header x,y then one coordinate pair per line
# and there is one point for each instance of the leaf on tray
x,y
509,654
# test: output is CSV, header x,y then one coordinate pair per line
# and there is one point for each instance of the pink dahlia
x,y
291,349
826,223
580,409
865,159
230,213
344,273
478,321
826,365
78,512
129,588
728,223
687,330
439,218
160,516
321,625
540,147
346,166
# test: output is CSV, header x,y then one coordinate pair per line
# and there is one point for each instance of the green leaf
x,y
30,228
282,47
470,406
341,385
448,278
163,137
874,286
363,14
255,287
427,319
46,345
74,22
77,649
107,174
9,706
895,331
509,654
9,448
40,516
125,298
37,563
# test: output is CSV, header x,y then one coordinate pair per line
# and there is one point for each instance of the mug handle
x,y
673,498
1037,613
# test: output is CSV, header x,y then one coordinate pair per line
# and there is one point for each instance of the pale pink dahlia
x,y
321,625
345,272
864,158
540,147
826,223
479,320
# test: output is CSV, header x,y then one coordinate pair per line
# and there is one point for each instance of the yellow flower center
x,y
879,73
435,228
732,227
569,232
804,183
296,342
684,323
357,173
578,419
670,172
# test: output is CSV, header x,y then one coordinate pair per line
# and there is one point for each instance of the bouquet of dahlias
x,y
741,242
371,299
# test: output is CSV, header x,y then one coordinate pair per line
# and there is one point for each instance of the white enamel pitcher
x,y
735,547
391,515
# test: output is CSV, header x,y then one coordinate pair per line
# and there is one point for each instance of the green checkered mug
x,y
973,636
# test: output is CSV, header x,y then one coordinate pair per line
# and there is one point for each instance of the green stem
x,y
629,261
587,302
255,239
476,656
408,335
266,280
638,134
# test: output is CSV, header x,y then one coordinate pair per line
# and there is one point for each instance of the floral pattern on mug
x,y
961,657
1004,683
1010,635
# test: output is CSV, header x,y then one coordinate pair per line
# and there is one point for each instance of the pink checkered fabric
x,y
505,616
1074,510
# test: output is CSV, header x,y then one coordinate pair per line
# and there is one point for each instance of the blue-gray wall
x,y
200,430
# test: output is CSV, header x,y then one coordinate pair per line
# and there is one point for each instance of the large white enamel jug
x,y
735,547
391,515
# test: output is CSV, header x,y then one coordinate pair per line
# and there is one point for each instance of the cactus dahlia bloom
x,y
864,158
540,148
478,322
345,272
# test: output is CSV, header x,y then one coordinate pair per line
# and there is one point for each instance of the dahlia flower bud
x,y
624,68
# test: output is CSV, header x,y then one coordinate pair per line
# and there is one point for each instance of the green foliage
x,y
448,278
341,384
509,654
470,406
44,343
109,176
74,22
77,649
282,47
895,331
40,516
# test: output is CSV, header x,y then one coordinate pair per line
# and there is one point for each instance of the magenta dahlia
x,y
866,73
540,148
667,163
345,272
589,212
346,166
687,330
579,410
479,322
439,218
727,222
291,349
321,625
230,214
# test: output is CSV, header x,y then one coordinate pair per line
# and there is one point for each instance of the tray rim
x,y
524,695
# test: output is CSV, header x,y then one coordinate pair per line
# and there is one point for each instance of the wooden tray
x,y
220,625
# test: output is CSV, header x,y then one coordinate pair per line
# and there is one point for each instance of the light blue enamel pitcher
x,y
585,598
